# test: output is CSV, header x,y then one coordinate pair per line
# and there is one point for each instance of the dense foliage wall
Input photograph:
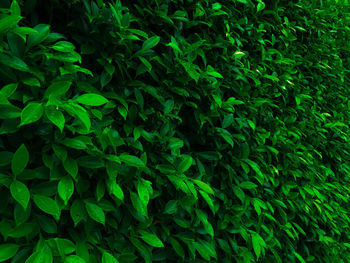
x,y
174,131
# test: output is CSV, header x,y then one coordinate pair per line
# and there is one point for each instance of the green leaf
x,y
132,160
116,190
55,116
138,204
43,255
64,246
79,112
151,239
108,258
71,166
150,43
15,9
185,164
100,190
191,69
47,224
146,63
77,211
5,158
31,113
66,188
14,62
20,193
8,251
202,250
95,212
260,6
74,259
16,44
74,143
8,111
258,244
35,39
205,187
57,88
9,89
247,185
208,200
47,205
298,257
177,247
142,190
123,112
239,54
20,160
211,71
33,82
63,46
91,99
255,167
8,22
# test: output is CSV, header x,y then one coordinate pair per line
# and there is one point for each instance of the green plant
x,y
174,131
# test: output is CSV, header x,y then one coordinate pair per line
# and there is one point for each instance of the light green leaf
x,y
260,6
146,63
116,190
20,160
185,164
64,246
79,112
15,9
239,54
35,39
142,190
95,212
151,239
31,113
8,251
191,69
205,187
66,188
258,244
74,259
8,22
20,193
43,255
55,116
108,258
150,43
47,205
298,257
63,46
123,111
91,99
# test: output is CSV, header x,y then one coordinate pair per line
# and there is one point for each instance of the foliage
x,y
174,131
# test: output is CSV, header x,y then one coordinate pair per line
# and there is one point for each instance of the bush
x,y
174,131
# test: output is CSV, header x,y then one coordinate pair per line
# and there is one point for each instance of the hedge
x,y
174,131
